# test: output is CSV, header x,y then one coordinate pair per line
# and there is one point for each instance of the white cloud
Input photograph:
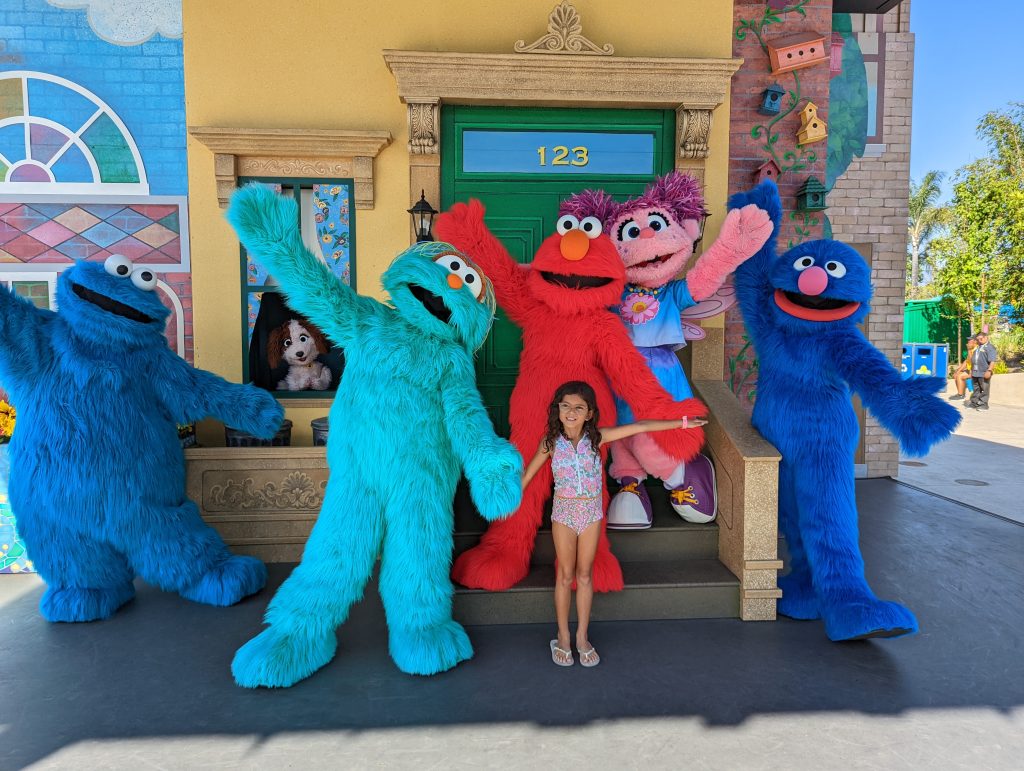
x,y
129,22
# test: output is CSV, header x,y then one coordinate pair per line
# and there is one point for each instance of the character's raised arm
x,y
191,394
744,231
267,225
633,381
909,409
753,277
23,339
463,227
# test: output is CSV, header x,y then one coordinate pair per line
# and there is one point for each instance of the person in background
x,y
982,360
963,372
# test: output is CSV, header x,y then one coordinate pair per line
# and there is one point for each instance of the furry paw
x,y
275,660
72,603
924,419
867,617
745,231
798,598
227,583
261,414
459,221
429,651
495,481
606,573
259,215
484,567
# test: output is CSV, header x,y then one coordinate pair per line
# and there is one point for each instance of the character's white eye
x,y
458,267
288,342
656,222
835,269
144,279
629,231
303,338
803,263
566,223
591,226
118,265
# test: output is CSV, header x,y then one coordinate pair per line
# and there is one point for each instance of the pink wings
x,y
719,302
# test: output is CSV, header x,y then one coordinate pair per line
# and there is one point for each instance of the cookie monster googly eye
x,y
118,265
144,279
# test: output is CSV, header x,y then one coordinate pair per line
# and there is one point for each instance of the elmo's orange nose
x,y
574,245
454,281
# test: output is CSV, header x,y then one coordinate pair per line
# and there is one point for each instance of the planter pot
x,y
236,438
320,426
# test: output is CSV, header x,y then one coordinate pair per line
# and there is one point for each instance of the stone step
x,y
676,589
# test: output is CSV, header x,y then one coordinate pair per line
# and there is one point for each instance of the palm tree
x,y
925,219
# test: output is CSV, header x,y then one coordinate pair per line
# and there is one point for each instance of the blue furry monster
x,y
802,310
97,474
406,420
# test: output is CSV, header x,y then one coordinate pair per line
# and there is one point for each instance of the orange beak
x,y
574,245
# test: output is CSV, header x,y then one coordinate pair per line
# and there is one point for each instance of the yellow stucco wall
x,y
309,64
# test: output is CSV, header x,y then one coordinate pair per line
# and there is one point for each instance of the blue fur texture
x,y
808,368
406,421
97,473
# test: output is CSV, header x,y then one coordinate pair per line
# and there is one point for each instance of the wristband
x,y
685,420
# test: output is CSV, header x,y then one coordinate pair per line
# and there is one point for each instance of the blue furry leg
x,y
308,608
72,603
430,650
417,592
824,491
798,597
228,582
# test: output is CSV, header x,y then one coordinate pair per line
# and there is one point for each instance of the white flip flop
x,y
555,650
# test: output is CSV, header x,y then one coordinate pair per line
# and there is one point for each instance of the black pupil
x,y
470,279
656,226
455,266
807,262
147,276
634,231
122,270
831,266
588,226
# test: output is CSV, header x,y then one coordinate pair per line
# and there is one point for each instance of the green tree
x,y
925,221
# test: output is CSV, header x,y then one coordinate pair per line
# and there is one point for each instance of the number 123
x,y
560,156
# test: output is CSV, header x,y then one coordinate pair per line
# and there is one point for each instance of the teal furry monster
x,y
407,419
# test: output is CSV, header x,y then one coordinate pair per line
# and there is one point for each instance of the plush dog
x,y
299,344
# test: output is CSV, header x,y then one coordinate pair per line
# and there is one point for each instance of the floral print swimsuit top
x,y
578,474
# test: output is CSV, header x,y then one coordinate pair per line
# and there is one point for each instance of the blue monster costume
x,y
802,310
97,474
406,420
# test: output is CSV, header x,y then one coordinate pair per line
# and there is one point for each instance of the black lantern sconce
x,y
422,214
700,235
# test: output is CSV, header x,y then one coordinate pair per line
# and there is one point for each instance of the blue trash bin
x,y
926,359
908,360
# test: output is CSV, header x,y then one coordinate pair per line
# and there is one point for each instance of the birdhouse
x,y
795,52
835,60
812,128
767,170
771,99
811,196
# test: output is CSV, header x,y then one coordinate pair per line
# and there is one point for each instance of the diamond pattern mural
x,y
146,233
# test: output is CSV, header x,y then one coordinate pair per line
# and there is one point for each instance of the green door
x,y
521,163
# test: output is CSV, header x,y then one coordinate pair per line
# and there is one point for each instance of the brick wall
x,y
747,153
868,205
144,84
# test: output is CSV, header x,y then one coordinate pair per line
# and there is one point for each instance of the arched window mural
x,y
58,137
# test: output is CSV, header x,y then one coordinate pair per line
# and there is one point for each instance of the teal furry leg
x,y
422,637
308,608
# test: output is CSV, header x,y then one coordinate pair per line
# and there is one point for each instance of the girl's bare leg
x,y
586,549
565,551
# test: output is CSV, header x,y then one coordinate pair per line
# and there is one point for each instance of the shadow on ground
x,y
160,668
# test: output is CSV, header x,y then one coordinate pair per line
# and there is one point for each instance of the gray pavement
x,y
981,465
150,688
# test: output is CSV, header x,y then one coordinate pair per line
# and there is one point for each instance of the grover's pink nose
x,y
813,281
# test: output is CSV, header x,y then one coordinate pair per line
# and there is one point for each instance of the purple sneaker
x,y
630,509
696,499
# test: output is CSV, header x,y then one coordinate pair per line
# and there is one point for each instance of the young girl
x,y
573,443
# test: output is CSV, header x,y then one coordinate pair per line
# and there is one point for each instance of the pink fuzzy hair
x,y
591,203
679,193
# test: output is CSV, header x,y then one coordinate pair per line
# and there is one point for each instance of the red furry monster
x,y
561,301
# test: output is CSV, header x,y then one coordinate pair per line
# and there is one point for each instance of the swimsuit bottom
x,y
577,513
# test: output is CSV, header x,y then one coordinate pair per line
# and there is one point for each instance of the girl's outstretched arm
x,y
536,463
614,433
267,225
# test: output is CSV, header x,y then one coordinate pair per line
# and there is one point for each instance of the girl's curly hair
x,y
554,429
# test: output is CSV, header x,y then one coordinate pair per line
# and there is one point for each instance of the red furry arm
x,y
743,233
463,227
631,379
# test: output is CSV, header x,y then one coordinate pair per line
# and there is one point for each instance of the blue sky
x,y
967,62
